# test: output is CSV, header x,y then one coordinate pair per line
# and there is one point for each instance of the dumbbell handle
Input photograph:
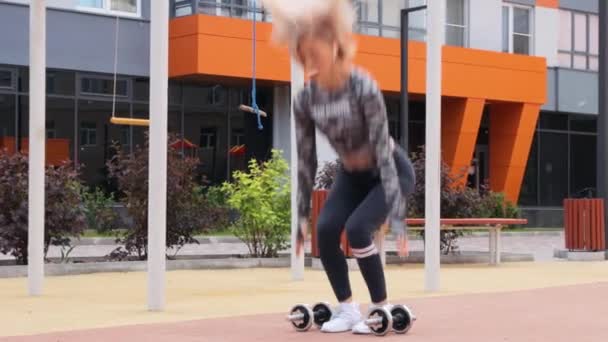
x,y
372,321
295,317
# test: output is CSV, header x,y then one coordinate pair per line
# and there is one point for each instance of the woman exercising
x,y
344,103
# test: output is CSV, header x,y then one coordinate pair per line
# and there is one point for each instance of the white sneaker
x,y
363,329
344,319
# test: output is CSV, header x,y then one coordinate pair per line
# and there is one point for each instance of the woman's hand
x,y
301,238
403,249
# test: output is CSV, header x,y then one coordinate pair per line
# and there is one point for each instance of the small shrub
x,y
262,199
99,210
64,213
188,211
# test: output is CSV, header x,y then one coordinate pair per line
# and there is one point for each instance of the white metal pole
x,y
157,191
297,261
37,137
435,32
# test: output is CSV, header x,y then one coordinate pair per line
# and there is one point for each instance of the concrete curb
x,y
140,266
232,239
580,256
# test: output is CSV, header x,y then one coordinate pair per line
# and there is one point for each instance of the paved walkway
x,y
563,314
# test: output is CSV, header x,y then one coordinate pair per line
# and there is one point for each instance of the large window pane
x,y
103,86
553,121
391,12
583,123
521,44
367,10
60,82
594,37
124,5
580,62
6,79
565,60
7,121
529,187
141,89
594,63
521,20
208,130
565,30
553,168
96,136
60,129
506,27
582,163
455,36
455,12
580,32
91,3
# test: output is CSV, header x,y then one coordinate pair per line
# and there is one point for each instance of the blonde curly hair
x,y
331,20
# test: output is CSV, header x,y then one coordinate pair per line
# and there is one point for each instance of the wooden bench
x,y
493,225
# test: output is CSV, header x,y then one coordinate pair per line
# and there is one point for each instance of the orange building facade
x,y
510,88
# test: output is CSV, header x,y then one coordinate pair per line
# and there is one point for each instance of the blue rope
x,y
254,104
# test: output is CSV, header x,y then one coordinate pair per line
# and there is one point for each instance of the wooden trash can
x,y
584,224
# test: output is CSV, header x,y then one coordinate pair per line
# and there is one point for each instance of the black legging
x,y
356,202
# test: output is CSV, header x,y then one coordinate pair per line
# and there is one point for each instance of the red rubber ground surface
x,y
572,314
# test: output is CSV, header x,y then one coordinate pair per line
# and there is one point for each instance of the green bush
x,y
99,210
64,213
188,211
262,199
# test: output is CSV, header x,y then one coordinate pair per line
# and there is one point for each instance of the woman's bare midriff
x,y
361,159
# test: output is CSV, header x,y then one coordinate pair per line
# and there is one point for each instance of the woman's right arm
x,y
307,154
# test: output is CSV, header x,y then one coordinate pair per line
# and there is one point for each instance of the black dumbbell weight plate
x,y
322,313
402,319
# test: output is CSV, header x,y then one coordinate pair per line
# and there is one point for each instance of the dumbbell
x,y
381,320
302,316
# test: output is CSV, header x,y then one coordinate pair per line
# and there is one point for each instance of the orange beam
x,y
460,119
220,46
548,3
511,133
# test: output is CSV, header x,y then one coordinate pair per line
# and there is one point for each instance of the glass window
x,y
7,120
391,12
506,28
579,40
141,89
103,86
129,7
554,121
367,11
553,175
565,30
521,20
583,123
529,188
96,136
92,3
517,29
456,23
580,32
60,82
60,128
6,79
594,36
582,164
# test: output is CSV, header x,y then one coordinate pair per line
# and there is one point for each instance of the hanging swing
x,y
115,119
254,106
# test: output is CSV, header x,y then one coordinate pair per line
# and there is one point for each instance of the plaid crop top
x,y
352,119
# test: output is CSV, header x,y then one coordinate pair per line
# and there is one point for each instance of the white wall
x,y
546,34
485,24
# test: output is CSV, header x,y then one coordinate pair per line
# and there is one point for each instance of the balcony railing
x,y
368,20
